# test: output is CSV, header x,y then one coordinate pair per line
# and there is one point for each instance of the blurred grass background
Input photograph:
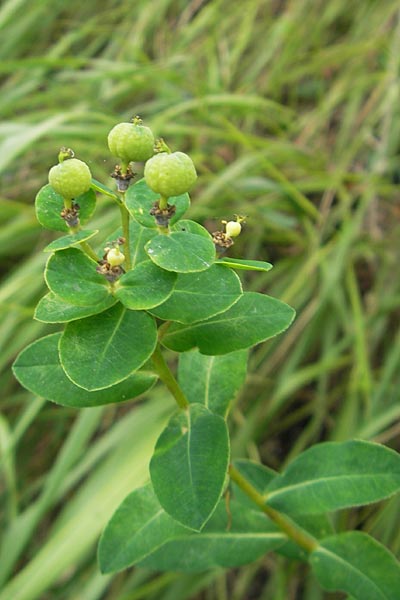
x,y
291,112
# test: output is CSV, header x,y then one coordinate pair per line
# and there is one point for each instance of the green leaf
x,y
70,240
49,204
71,275
217,379
260,477
145,286
182,251
186,487
105,349
247,265
39,370
355,563
335,475
140,199
140,531
138,527
198,296
52,309
252,319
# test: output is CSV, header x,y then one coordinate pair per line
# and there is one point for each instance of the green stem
x,y
295,533
125,233
164,373
124,167
99,187
163,203
86,247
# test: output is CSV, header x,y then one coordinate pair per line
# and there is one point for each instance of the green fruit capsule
x,y
70,178
170,174
131,142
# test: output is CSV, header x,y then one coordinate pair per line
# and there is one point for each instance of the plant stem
x,y
164,373
163,203
89,251
295,533
86,247
125,233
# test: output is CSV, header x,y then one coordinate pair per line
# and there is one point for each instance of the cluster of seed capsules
x,y
166,173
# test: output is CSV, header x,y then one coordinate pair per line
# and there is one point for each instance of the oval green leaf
x,y
252,319
198,296
105,349
52,309
335,475
71,275
186,487
145,286
39,370
140,531
49,204
140,199
355,563
246,265
182,252
218,378
70,240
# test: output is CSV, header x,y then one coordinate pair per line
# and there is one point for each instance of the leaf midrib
x,y
207,381
214,321
125,546
331,478
106,347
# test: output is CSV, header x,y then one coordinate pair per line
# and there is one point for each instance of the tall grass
x,y
290,111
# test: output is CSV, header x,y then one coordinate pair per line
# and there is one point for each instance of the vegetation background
x,y
291,112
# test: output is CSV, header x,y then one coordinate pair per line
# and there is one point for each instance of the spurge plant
x,y
162,282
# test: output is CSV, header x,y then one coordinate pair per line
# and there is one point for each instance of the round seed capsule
x,y
70,178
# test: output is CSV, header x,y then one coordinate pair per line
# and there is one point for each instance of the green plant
x,y
171,288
